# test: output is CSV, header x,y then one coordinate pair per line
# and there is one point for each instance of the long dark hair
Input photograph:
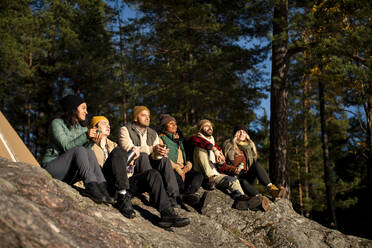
x,y
70,118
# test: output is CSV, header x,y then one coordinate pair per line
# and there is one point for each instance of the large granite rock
x,y
39,211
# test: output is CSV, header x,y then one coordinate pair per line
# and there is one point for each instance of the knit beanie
x,y
202,122
71,102
137,110
239,127
165,119
96,119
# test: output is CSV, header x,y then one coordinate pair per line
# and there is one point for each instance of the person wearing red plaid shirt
x,y
208,157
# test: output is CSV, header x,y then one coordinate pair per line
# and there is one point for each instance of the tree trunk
x,y
368,112
300,195
328,175
306,143
279,166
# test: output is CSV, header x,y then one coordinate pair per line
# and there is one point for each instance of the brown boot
x,y
276,193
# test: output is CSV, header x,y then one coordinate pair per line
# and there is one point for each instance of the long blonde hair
x,y
247,140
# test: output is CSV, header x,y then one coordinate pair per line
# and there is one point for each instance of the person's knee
x,y
154,174
79,150
119,152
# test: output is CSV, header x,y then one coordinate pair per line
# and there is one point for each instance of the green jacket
x,y
62,139
173,147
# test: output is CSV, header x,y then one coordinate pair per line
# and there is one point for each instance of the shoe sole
x,y
265,203
182,223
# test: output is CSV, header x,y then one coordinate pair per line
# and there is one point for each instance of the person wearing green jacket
x,y
68,157
189,181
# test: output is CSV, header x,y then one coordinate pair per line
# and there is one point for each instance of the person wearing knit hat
x,y
67,157
188,181
71,102
241,154
201,123
209,160
137,110
165,119
123,181
139,134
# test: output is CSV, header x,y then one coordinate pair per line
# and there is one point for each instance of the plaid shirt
x,y
205,144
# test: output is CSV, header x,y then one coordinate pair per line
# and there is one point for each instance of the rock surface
x,y
39,211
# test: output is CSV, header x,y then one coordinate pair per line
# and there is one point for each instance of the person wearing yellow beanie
x,y
124,182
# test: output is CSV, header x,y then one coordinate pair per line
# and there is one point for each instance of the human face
x,y
143,118
104,126
82,111
171,127
241,135
207,129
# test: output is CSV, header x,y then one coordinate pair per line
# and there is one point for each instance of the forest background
x,y
206,59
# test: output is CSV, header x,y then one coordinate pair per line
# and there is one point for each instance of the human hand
x,y
182,174
94,134
136,150
187,167
161,150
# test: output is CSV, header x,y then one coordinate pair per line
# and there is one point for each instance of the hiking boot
x,y
209,184
169,218
174,203
124,205
275,193
203,202
107,198
245,202
93,192
265,203
190,199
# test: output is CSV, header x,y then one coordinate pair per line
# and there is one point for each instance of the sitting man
x,y
126,179
208,158
138,134
189,181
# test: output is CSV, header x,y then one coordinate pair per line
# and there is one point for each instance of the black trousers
x,y
193,181
78,163
144,179
249,179
164,166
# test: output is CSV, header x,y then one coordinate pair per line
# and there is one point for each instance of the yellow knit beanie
x,y
137,110
96,119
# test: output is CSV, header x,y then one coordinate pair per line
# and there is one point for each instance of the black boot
x,y
124,205
107,198
190,199
169,218
93,192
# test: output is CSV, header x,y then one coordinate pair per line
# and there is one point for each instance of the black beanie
x,y
239,127
71,102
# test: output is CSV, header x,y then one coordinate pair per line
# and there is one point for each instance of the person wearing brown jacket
x,y
241,155
125,179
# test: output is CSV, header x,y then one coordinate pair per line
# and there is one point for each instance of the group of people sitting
x,y
143,161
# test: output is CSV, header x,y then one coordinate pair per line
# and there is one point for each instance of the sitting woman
x,y
188,181
241,153
127,175
68,157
